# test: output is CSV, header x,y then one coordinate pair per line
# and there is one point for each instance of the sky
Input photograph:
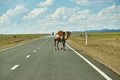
x,y
46,16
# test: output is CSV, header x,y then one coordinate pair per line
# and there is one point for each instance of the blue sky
x,y
46,16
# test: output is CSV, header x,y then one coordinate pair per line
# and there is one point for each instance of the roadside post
x,y
52,33
86,39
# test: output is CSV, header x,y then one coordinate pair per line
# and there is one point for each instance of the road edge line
x,y
91,64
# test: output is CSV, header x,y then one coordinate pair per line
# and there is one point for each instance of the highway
x,y
37,60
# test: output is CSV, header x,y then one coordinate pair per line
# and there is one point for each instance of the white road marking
x,y
91,64
14,67
44,43
28,56
34,51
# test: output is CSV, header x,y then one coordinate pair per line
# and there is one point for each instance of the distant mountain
x,y
104,30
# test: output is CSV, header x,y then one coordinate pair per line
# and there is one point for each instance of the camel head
x,y
68,33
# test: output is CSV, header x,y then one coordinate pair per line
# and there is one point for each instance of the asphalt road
x,y
37,60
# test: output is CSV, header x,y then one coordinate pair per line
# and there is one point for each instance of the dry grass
x,y
103,47
7,41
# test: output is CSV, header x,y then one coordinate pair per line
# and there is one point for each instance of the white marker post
x,y
86,42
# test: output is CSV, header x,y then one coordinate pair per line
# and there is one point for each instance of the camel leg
x,y
63,43
55,43
58,45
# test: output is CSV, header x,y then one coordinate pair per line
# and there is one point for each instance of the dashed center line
x,y
14,67
28,56
34,51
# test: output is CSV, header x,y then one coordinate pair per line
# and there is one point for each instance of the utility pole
x,y
86,37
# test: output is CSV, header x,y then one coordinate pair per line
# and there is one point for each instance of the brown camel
x,y
61,36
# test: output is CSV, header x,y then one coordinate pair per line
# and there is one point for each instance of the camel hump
x,y
60,33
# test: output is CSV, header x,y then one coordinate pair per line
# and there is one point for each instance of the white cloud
x,y
11,13
63,18
85,19
93,2
110,14
46,3
63,13
81,16
57,13
52,25
35,13
110,11
106,18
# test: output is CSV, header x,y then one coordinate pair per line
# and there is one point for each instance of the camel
x,y
61,36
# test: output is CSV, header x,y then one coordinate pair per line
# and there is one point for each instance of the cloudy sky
x,y
46,16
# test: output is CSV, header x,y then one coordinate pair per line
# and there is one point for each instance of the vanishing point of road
x,y
37,60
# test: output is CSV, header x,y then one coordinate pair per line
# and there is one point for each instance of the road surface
x,y
37,60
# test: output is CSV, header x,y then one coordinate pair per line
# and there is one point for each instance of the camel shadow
x,y
68,50
63,50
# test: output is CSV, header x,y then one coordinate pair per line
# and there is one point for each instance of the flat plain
x,y
11,40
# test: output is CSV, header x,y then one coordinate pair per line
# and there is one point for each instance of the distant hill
x,y
102,30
